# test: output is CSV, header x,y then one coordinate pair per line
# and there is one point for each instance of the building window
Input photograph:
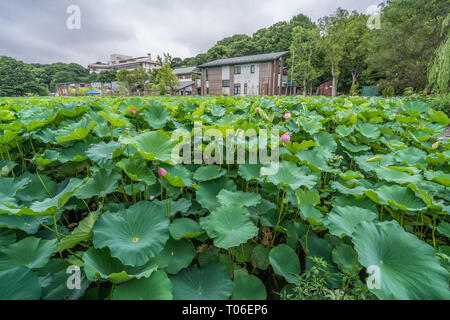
x,y
252,68
237,88
226,83
237,70
245,88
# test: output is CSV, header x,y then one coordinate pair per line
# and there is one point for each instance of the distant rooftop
x,y
184,70
245,59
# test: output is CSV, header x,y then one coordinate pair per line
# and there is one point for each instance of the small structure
x,y
92,92
189,78
259,74
71,88
118,62
325,89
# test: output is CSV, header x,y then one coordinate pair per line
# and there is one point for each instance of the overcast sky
x,y
36,31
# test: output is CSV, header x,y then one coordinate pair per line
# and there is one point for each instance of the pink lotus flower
x,y
372,99
286,137
287,115
162,172
397,111
256,110
231,112
152,197
133,111
387,100
365,98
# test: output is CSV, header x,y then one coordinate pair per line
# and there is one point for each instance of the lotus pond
x,y
93,206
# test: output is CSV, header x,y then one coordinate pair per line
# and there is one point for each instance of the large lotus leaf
x,y
307,197
134,235
176,255
439,177
155,145
260,257
156,115
29,224
368,130
396,176
311,214
284,261
76,153
137,170
7,237
185,228
98,264
402,198
352,148
207,192
248,287
34,190
417,106
408,267
10,186
311,126
241,198
182,205
343,131
75,131
8,136
343,220
102,152
50,206
116,120
207,173
81,233
439,117
48,157
102,183
156,287
19,283
211,282
411,157
326,140
289,175
30,252
178,176
316,158
229,226
250,171
345,258
444,228
6,167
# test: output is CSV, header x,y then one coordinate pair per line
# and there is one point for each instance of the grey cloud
x,y
35,31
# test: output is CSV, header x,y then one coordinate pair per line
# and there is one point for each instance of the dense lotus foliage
x,y
88,187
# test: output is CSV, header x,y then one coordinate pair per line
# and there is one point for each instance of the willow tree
x,y
439,73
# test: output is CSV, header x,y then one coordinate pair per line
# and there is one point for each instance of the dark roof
x,y
185,84
186,70
245,59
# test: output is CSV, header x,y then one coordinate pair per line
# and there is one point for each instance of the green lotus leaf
x,y
10,187
345,258
352,148
326,140
75,131
185,228
19,283
50,206
248,287
207,192
81,233
307,197
99,264
48,157
176,255
343,131
396,176
28,224
368,130
412,157
311,126
249,171
34,189
260,257
402,198
408,267
208,173
76,153
289,175
116,120
178,176
6,115
156,287
211,282
439,117
155,145
343,220
137,170
134,235
30,252
156,115
182,205
419,106
245,199
229,226
102,152
8,136
7,237
439,177
102,183
350,175
316,159
285,263
311,214
342,188
444,228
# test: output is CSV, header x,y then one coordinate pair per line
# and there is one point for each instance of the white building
x,y
118,62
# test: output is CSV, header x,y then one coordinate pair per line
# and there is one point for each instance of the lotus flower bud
x,y
133,111
256,110
162,172
152,197
397,111
287,115
286,137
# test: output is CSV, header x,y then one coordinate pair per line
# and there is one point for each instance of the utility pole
x,y
292,72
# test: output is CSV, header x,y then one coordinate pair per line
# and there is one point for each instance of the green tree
x,y
107,76
163,78
63,76
17,78
439,73
124,76
141,76
409,35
